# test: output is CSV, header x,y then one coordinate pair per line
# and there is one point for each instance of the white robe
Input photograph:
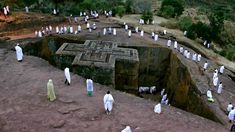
x,y
129,33
142,33
194,57
67,74
89,85
215,75
108,102
199,57
209,94
175,44
137,29
229,108
79,28
127,129
215,81
221,70
205,66
231,115
164,31
162,92
169,43
153,34
220,87
71,29
156,37
126,27
157,108
19,53
5,11
104,31
181,49
39,34
88,25
188,55
114,31
36,33
57,29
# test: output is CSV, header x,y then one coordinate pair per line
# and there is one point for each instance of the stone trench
x,y
139,66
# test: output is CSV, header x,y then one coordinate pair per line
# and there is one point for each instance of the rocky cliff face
x,y
157,66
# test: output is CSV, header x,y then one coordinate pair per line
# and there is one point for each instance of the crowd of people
x,y
108,99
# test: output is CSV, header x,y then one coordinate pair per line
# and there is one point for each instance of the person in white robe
x,y
164,32
205,42
79,28
126,27
39,33
89,85
209,96
215,74
90,30
153,34
208,45
220,87
57,30
88,25
94,26
5,11
199,56
67,76
205,66
185,33
54,12
108,102
36,33
114,32
26,9
129,33
19,53
136,29
215,81
157,108
194,57
127,129
181,50
50,91
8,10
229,107
110,30
231,115
50,28
162,92
65,29
104,31
164,97
185,53
155,37
47,30
142,33
188,55
71,29
221,69
175,45
166,102
61,30
169,43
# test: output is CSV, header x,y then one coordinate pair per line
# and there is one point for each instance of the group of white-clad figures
x,y
108,98
6,11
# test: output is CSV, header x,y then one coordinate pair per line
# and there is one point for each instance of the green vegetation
x,y
171,8
185,23
147,16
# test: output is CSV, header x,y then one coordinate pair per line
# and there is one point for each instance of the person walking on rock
x,y
108,102
50,91
19,53
89,85
67,76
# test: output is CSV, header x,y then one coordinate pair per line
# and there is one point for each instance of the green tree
x,y
216,23
147,16
185,23
167,5
120,10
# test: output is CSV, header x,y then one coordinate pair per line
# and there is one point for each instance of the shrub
x,y
185,23
120,10
147,16
168,11
170,24
172,8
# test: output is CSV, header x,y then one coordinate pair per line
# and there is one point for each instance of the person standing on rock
x,y
108,102
67,76
231,115
221,70
220,87
205,66
50,91
89,86
199,57
229,107
129,33
19,53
